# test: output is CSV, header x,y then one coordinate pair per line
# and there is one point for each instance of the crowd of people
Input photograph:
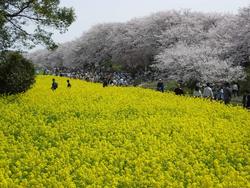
x,y
93,74
220,92
107,78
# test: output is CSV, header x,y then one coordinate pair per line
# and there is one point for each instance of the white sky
x,y
91,12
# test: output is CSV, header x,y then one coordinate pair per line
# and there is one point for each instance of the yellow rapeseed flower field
x,y
89,136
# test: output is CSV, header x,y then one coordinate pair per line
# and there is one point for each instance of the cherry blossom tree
x,y
196,62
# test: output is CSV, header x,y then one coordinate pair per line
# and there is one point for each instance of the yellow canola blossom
x,y
90,136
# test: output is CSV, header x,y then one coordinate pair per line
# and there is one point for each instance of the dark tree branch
x,y
19,27
19,11
30,17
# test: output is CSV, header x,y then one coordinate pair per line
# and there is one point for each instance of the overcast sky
x,y
91,12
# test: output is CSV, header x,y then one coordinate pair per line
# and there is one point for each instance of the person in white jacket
x,y
208,92
197,92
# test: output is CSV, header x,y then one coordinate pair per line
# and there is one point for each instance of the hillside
x,y
120,137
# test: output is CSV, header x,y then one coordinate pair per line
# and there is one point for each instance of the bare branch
x,y
19,11
18,27
30,17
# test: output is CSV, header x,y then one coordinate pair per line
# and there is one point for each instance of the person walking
x,y
208,92
178,90
54,85
160,86
227,92
105,82
197,92
246,100
238,92
235,89
220,94
68,84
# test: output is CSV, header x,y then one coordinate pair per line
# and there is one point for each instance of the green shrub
x,y
17,74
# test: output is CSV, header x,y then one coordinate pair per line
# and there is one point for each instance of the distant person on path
x,y
220,94
246,100
227,92
54,85
197,92
105,82
198,85
208,92
235,89
45,71
160,86
178,90
238,93
68,84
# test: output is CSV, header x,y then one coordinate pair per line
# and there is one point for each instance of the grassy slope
x,y
123,137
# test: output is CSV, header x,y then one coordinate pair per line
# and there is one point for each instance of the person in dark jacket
x,y
54,85
178,90
105,82
68,84
227,93
160,86
246,100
